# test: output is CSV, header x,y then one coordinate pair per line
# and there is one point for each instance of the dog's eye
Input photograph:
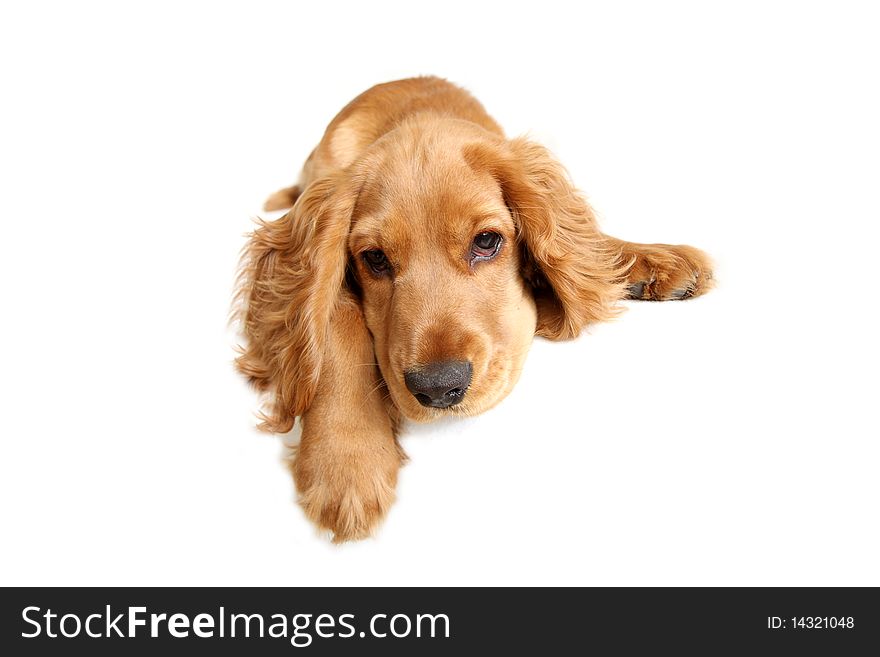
x,y
485,246
376,261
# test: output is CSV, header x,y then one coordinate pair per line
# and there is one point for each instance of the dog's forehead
x,y
421,203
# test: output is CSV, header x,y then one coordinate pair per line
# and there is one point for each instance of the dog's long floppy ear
x,y
292,275
576,275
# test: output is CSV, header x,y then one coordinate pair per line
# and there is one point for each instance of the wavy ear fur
x,y
575,272
292,275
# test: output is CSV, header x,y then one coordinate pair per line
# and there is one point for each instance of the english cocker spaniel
x,y
421,253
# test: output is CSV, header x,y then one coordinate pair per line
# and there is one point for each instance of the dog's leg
x,y
282,199
286,198
661,272
346,465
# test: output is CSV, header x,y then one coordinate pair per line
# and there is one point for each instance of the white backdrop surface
x,y
731,439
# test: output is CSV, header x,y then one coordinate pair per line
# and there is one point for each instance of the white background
x,y
726,440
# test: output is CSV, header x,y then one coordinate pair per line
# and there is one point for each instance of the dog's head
x,y
458,245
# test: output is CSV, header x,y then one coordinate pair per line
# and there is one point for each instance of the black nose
x,y
440,385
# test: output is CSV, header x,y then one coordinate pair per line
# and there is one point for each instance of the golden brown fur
x,y
415,170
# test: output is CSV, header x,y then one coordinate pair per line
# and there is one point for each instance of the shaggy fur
x,y
416,169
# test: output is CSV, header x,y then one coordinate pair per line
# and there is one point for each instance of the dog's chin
x,y
412,410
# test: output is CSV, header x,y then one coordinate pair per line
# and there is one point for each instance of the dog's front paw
x,y
345,489
661,273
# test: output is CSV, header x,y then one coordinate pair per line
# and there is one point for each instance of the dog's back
x,y
376,112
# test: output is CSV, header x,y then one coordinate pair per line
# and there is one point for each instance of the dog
x,y
421,253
